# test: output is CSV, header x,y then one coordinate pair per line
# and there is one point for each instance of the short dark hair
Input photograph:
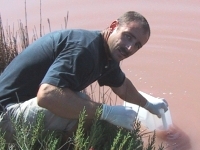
x,y
134,16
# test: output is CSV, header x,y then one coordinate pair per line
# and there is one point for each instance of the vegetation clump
x,y
101,136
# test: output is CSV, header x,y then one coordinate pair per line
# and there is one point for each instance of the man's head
x,y
127,35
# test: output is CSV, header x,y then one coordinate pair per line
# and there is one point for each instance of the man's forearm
x,y
129,93
64,102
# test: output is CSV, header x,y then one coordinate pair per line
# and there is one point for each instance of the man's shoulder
x,y
78,31
84,32
73,35
83,37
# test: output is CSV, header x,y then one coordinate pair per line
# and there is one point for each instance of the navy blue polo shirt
x,y
67,59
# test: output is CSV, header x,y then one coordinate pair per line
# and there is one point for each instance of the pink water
x,y
167,66
174,138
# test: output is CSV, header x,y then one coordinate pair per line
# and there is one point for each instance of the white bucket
x,y
151,121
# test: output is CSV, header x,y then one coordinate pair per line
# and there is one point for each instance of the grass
x,y
101,136
31,136
8,46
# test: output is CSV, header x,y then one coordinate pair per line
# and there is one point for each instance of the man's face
x,y
126,39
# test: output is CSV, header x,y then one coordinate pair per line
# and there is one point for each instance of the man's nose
x,y
130,46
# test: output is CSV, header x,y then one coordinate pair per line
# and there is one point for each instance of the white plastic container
x,y
151,121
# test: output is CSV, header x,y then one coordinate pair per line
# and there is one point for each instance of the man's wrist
x,y
104,111
146,105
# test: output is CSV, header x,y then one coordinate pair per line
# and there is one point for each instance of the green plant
x,y
105,136
80,142
2,140
29,136
101,136
95,135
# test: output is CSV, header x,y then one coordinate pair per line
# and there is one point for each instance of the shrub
x,y
101,136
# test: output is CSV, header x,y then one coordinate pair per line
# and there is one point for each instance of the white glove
x,y
155,106
119,115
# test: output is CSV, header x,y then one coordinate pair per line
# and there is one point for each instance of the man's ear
x,y
113,25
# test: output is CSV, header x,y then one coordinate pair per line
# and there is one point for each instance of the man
x,y
50,73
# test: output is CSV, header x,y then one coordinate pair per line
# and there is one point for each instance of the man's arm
x,y
64,102
128,92
67,104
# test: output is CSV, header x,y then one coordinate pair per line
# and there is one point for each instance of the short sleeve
x,y
69,69
114,78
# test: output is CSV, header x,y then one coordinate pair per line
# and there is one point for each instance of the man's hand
x,y
155,106
119,115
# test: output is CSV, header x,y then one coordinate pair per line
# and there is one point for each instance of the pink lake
x,y
167,66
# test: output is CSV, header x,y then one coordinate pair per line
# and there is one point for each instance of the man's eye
x,y
128,36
